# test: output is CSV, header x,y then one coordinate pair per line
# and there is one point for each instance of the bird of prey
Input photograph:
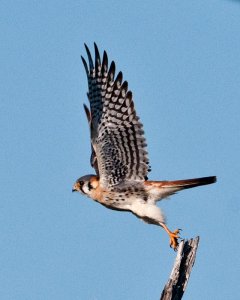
x,y
119,155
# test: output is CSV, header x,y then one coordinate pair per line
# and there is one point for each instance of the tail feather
x,y
163,189
189,183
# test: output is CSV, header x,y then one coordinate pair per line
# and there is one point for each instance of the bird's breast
x,y
119,198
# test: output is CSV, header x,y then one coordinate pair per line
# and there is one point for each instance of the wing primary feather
x,y
97,57
118,79
124,87
88,114
129,96
111,72
104,62
130,105
85,65
89,58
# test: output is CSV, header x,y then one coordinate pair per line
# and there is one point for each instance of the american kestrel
x,y
119,150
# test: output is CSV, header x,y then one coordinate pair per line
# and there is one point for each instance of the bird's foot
x,y
174,236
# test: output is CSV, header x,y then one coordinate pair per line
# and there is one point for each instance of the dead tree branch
x,y
181,271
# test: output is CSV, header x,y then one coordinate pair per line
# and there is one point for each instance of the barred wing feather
x,y
117,135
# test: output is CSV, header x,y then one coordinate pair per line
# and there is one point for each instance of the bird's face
x,y
86,185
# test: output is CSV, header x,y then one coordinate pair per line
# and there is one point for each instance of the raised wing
x,y
93,157
117,135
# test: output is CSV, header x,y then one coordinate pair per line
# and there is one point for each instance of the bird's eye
x,y
81,183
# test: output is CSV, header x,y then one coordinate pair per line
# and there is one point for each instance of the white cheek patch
x,y
85,189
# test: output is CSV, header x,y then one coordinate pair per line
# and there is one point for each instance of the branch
x,y
182,268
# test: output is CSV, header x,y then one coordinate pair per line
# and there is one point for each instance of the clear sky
x,y
182,62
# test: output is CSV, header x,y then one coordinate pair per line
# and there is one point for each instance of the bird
x,y
119,150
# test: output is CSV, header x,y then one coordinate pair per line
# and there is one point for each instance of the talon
x,y
174,239
174,236
177,231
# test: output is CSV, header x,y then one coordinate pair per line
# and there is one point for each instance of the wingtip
x,y
85,64
85,106
97,57
87,112
112,68
95,45
89,56
86,47
105,58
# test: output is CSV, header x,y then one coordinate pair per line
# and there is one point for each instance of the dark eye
x,y
81,183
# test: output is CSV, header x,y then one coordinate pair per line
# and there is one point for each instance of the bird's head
x,y
86,185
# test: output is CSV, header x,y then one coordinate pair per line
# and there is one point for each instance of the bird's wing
x,y
93,157
117,135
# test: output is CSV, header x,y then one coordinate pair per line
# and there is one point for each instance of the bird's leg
x,y
173,236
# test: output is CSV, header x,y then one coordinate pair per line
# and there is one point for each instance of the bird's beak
x,y
74,188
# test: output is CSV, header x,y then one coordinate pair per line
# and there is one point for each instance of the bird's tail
x,y
163,189
188,183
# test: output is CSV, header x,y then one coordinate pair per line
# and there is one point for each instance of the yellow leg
x,y
174,236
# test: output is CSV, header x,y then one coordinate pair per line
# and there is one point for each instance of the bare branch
x,y
182,268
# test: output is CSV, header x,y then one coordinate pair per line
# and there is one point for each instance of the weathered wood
x,y
182,268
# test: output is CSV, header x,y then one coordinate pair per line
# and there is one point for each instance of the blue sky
x,y
182,62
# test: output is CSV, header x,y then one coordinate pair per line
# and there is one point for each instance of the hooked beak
x,y
74,188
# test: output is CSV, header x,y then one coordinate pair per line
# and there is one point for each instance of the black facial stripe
x,y
90,187
82,189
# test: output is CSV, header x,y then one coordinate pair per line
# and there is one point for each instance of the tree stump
x,y
177,282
